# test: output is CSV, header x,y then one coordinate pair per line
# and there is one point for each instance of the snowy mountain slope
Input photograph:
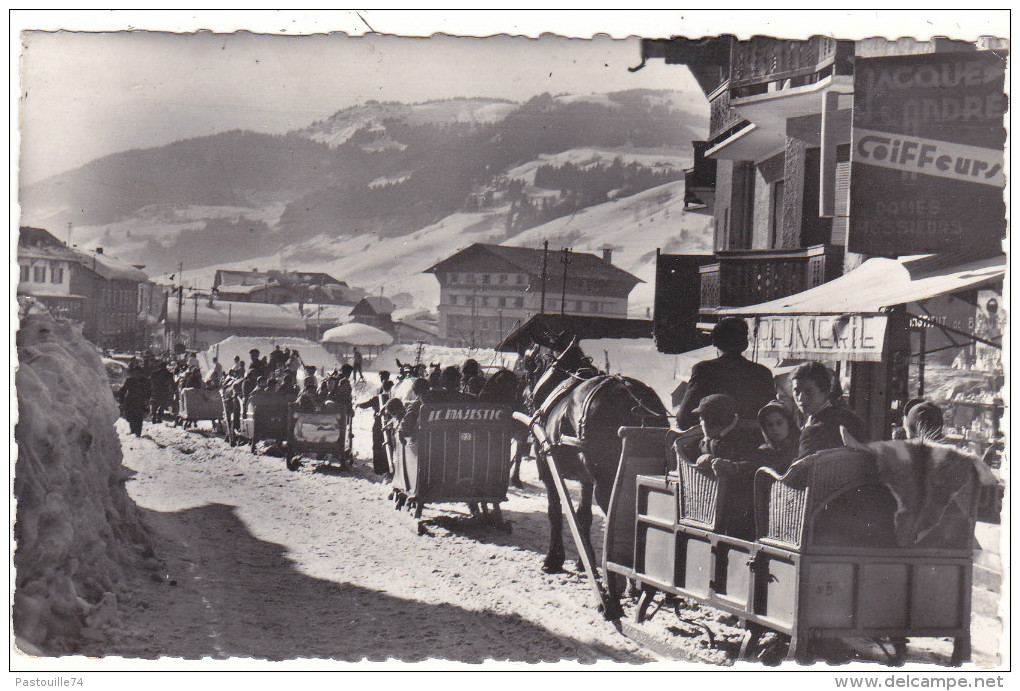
x,y
585,157
339,128
634,227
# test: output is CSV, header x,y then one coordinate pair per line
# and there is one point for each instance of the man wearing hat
x,y
748,383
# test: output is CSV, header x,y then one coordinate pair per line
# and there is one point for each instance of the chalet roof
x,y
377,304
233,277
28,236
41,244
529,260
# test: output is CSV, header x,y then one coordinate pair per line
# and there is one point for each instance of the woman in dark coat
x,y
817,395
134,398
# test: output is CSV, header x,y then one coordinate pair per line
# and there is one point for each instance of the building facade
x,y
90,288
280,287
488,290
831,158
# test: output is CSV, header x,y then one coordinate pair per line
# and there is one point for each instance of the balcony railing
x,y
722,117
760,61
750,277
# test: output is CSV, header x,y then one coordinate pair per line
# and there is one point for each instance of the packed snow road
x,y
255,561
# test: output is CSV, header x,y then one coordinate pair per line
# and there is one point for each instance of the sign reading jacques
x,y
856,337
927,154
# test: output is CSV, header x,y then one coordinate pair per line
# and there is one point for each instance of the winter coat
x,y
748,383
822,429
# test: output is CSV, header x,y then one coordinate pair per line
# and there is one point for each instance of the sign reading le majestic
x,y
857,337
927,154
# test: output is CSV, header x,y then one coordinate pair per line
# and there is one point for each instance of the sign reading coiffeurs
x,y
853,337
926,169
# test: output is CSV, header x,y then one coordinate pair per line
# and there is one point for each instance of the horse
x,y
580,410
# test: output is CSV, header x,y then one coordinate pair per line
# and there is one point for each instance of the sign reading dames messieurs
x,y
927,163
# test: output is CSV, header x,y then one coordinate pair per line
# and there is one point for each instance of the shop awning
x,y
845,318
880,283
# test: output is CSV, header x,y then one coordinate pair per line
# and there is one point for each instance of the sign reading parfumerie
x,y
854,337
926,172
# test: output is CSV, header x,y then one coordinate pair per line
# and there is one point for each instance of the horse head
x,y
571,362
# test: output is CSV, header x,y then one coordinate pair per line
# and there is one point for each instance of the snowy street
x,y
254,560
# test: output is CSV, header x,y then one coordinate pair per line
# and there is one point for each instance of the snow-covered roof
x,y
111,269
313,314
237,289
428,327
357,334
252,315
416,313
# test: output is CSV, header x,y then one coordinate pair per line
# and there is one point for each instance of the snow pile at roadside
x,y
77,531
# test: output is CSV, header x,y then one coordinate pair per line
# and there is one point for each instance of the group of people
x,y
735,403
151,383
451,384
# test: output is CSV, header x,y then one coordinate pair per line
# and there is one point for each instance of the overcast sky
x,y
85,95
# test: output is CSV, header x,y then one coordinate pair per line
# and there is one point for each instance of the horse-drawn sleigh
x,y
867,542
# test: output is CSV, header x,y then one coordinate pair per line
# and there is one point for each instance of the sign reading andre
x,y
927,154
856,337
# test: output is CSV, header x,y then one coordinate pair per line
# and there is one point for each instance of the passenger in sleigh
x,y
717,469
782,437
308,401
723,435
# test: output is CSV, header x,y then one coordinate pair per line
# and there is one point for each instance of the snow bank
x,y
76,529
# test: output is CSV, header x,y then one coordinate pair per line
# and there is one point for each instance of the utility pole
x,y
180,297
68,233
563,295
194,325
545,258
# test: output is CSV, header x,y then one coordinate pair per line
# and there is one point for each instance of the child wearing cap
x,y
722,435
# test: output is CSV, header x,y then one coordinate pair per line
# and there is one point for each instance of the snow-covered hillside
x,y
586,157
634,226
339,128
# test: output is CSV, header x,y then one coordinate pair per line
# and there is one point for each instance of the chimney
x,y
99,250
607,255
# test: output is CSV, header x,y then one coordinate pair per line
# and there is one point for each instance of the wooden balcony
x,y
765,64
750,277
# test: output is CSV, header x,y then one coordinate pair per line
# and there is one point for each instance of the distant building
x,y
95,290
375,311
204,322
488,290
279,287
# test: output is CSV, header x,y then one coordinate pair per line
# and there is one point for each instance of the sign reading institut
x,y
927,154
856,337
